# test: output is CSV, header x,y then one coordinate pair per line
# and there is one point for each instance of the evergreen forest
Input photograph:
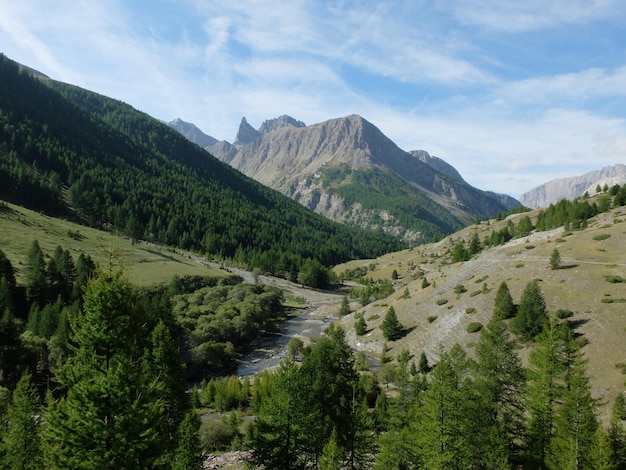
x,y
73,153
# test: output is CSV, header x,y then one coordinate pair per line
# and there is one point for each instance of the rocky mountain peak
x,y
191,132
436,163
246,133
278,123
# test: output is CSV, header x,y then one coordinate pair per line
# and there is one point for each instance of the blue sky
x,y
511,93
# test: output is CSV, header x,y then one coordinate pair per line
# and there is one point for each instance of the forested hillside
x,y
74,153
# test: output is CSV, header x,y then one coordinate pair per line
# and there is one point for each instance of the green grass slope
x,y
145,264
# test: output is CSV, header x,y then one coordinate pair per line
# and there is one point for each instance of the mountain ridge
x,y
289,156
554,190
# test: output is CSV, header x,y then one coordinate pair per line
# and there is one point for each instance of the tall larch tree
x,y
504,307
532,312
109,409
21,442
445,438
499,383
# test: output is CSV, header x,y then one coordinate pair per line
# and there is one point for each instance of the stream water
x,y
267,352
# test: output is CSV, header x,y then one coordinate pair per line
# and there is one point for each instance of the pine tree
x,y
555,259
499,381
276,440
22,440
444,432
108,417
542,394
391,326
189,452
35,272
531,313
360,326
504,307
345,307
575,422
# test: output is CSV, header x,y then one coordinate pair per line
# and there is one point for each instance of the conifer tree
x,y
504,307
345,307
542,394
109,413
360,326
276,439
531,313
22,441
575,422
391,326
499,382
36,279
445,431
555,259
189,452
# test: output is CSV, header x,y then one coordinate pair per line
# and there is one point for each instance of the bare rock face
x,y
569,188
279,122
289,156
192,133
436,163
246,133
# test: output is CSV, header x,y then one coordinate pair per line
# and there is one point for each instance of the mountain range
x,y
347,170
554,190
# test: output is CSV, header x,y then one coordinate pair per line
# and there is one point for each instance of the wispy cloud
x,y
493,87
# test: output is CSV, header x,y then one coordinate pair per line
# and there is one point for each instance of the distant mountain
x,y
192,133
348,170
71,152
569,188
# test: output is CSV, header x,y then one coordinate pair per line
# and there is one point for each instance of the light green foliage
x,y
555,259
219,319
21,443
504,307
360,326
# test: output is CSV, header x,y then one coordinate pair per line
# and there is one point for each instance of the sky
x,y
511,93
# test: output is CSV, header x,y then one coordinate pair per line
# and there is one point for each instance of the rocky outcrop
x,y
289,156
278,123
436,163
192,133
569,188
246,133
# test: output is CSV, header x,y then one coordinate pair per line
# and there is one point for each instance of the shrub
x,y
474,327
563,313
475,293
432,318
470,310
442,301
602,236
459,289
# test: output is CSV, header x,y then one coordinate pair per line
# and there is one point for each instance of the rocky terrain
x,y
569,188
293,158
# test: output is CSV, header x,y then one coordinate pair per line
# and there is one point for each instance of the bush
x,y
442,301
602,236
563,313
474,327
459,289
470,310
432,318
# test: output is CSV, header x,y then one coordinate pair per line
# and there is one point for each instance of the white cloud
x,y
529,15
